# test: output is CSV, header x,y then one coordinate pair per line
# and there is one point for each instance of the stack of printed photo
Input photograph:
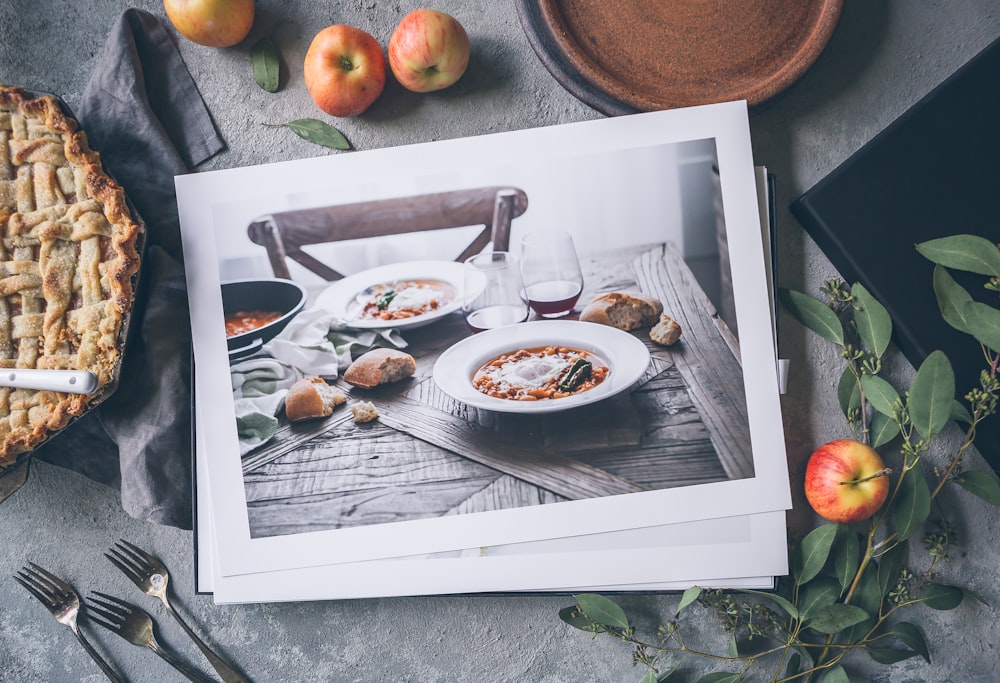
x,y
534,361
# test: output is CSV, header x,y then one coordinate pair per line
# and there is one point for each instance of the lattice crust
x,y
67,257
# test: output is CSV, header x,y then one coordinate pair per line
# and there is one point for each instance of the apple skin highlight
x,y
213,23
846,481
428,51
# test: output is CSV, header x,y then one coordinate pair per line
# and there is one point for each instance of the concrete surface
x,y
882,58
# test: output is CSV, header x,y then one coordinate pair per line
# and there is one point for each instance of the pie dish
x,y
68,260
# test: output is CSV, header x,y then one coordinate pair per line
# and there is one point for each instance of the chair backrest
x,y
284,234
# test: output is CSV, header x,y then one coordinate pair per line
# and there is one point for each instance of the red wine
x,y
553,298
496,316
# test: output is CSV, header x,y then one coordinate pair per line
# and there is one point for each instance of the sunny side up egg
x,y
532,372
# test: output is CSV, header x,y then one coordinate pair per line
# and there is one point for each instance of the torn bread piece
x,y
312,397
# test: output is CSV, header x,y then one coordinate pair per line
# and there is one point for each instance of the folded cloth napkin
x,y
143,113
312,344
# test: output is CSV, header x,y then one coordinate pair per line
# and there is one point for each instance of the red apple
x,y
429,50
846,481
215,23
344,70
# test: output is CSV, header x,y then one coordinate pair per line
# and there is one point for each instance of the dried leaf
x,y
963,252
266,64
317,132
814,314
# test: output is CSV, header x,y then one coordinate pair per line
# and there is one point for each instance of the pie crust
x,y
67,259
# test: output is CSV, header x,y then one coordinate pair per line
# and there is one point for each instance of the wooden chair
x,y
284,234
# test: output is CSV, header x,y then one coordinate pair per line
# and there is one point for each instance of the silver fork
x,y
149,574
135,626
64,604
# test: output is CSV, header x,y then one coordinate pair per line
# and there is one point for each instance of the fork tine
x,y
58,583
105,618
42,582
122,563
42,598
140,559
112,604
138,551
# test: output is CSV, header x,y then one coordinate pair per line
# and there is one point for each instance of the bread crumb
x,y
665,332
363,411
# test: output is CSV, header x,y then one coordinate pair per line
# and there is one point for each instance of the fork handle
x,y
179,664
229,675
98,659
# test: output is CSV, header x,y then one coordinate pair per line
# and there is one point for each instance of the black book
x,y
933,172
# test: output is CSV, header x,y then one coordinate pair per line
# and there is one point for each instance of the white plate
x,y
626,355
341,300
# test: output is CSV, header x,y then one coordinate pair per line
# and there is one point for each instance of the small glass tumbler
x,y
494,292
551,272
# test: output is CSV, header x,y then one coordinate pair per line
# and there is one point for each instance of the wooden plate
x,y
647,55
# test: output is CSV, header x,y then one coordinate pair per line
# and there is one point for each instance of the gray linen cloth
x,y
143,113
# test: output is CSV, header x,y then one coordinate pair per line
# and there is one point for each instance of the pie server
x,y
68,381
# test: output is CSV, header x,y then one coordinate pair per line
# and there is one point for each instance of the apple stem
x,y
884,472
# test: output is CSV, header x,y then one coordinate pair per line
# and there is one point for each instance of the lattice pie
x,y
67,257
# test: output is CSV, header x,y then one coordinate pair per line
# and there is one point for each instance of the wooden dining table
x,y
427,455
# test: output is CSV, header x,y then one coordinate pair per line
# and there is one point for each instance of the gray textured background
x,y
882,58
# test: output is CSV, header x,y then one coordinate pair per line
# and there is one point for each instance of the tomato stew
x,y
540,373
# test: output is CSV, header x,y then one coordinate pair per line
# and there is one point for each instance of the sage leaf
x,y
890,655
879,393
814,314
931,394
814,551
779,600
913,505
836,675
872,320
835,618
983,323
848,392
846,555
963,252
266,64
687,597
601,610
960,412
317,132
883,430
951,298
981,484
889,567
816,595
720,677
575,618
911,636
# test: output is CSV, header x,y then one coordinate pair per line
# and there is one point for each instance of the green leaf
x,y
663,677
963,252
835,618
814,551
848,391
960,412
942,597
872,320
913,505
846,555
883,429
814,314
981,484
879,393
951,298
931,394
733,647
601,610
720,677
266,65
868,598
689,596
889,566
835,675
650,677
890,655
793,665
779,600
911,636
983,323
816,595
317,132
575,618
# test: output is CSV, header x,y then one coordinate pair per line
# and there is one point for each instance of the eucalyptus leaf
x,y
883,429
913,505
846,555
317,132
931,394
720,677
807,659
963,252
602,610
868,598
835,618
793,665
779,600
911,636
981,484
848,391
942,597
650,677
266,64
575,618
733,647
814,551
816,595
951,298
665,676
983,323
835,675
872,320
889,566
960,412
879,393
814,314
890,655
688,597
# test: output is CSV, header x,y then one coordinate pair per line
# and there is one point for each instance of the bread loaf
x,y
624,310
380,366
312,397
